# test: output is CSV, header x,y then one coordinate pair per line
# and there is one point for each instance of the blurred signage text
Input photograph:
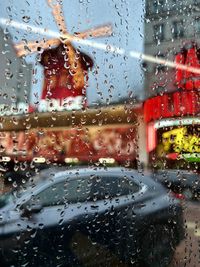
x,y
189,57
44,105
172,105
92,143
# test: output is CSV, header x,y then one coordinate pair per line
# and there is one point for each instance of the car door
x,y
37,226
112,215
28,229
64,223
90,206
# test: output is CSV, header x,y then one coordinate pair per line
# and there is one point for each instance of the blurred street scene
x,y
100,133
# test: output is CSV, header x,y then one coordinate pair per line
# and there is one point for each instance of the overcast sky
x,y
113,75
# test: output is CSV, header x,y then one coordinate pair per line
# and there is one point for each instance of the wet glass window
x,y
99,133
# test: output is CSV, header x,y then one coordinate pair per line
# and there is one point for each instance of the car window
x,y
112,186
86,189
71,191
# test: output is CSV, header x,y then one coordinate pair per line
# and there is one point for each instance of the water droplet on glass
x,y
26,19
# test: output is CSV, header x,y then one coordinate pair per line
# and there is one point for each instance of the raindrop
x,y
60,221
41,225
108,48
26,19
8,9
22,11
8,74
33,233
5,96
14,184
18,236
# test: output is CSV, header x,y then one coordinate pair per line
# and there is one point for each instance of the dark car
x,y
186,182
89,217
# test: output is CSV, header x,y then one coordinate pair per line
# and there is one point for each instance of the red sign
x,y
172,105
189,57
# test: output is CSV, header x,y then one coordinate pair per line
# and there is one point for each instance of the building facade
x,y
15,75
172,106
169,25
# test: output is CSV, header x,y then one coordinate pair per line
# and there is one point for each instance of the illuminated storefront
x,y
173,123
88,136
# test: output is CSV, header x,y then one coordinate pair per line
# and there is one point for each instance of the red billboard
x,y
172,105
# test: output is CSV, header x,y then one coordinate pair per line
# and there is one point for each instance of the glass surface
x,y
99,133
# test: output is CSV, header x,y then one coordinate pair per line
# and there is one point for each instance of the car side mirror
x,y
27,211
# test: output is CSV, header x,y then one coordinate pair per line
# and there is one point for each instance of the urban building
x,y
169,25
15,75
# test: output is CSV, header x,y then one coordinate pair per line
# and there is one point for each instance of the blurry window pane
x,y
72,191
159,32
197,25
177,29
160,67
158,5
49,197
77,190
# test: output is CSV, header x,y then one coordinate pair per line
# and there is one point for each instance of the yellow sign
x,y
179,140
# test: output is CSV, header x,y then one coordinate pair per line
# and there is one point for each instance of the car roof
x,y
58,171
55,174
58,174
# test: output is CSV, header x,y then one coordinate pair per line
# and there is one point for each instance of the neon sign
x,y
179,140
172,105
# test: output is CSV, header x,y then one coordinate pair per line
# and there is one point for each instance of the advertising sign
x,y
176,104
84,144
179,142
